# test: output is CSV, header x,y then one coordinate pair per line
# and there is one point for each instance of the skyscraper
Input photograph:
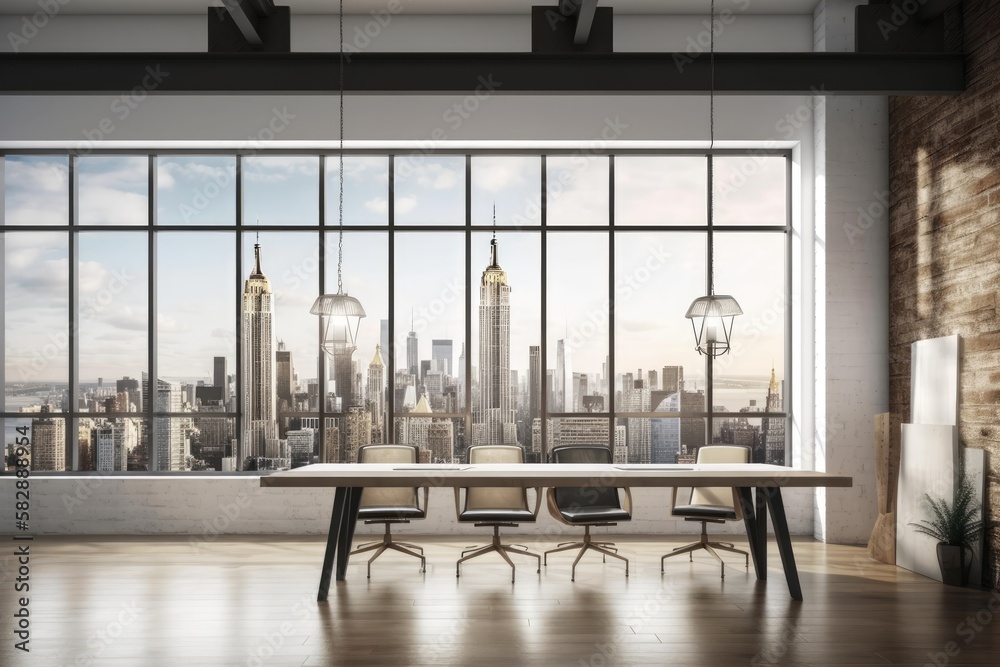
x,y
666,433
220,378
461,378
383,339
48,442
283,369
412,365
172,443
773,428
564,378
113,440
636,399
534,382
259,423
376,395
130,387
496,424
441,350
673,379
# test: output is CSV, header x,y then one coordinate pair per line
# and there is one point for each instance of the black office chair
x,y
497,507
389,505
587,506
712,505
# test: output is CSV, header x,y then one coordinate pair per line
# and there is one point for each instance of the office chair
x,y
497,507
389,505
587,506
712,505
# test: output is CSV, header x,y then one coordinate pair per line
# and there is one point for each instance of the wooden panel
x,y
882,543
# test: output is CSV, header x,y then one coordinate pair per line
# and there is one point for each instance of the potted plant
x,y
956,526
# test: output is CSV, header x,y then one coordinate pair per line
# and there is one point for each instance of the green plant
x,y
955,523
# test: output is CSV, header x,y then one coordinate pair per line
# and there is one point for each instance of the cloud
x,y
578,194
107,206
125,318
165,180
36,191
47,279
91,277
498,173
170,325
117,173
37,174
204,169
434,174
381,205
279,169
406,204
225,334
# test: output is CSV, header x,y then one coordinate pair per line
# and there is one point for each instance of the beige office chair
x,y
587,506
389,505
712,505
496,506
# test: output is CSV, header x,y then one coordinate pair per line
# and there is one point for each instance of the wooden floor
x,y
169,601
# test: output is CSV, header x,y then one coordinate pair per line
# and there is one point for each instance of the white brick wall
x,y
208,506
852,341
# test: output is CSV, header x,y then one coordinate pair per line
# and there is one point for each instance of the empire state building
x,y
259,425
494,424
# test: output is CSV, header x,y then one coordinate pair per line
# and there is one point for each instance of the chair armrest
x,y
628,500
673,496
458,502
553,506
737,504
426,494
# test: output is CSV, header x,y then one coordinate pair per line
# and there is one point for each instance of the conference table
x,y
759,488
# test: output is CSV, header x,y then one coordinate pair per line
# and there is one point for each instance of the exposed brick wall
x,y
944,238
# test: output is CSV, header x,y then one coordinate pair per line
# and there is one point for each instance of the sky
x,y
657,274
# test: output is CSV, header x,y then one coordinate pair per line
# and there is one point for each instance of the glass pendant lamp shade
x,y
712,321
341,316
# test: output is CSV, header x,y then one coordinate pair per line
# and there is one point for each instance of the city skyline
x,y
656,275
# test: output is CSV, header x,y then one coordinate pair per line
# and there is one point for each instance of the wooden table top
x,y
550,475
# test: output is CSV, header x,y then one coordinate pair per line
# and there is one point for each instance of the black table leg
x,y
750,517
761,527
777,507
346,537
332,538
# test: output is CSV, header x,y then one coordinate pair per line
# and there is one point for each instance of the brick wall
x,y
944,235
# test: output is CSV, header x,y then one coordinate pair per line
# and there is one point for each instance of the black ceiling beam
x,y
584,21
502,73
246,18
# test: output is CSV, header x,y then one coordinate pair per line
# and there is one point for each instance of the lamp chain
x,y
711,147
340,242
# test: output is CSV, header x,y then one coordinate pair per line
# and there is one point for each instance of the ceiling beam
x,y
584,21
501,73
246,20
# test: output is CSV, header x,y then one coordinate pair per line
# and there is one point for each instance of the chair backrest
x,y
499,497
376,496
720,496
578,497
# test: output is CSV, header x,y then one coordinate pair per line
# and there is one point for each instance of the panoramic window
x,y
157,307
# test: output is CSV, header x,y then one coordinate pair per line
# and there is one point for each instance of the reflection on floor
x,y
151,601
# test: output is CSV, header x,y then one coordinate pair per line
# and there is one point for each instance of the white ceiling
x,y
417,6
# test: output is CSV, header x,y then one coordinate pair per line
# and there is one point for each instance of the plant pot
x,y
955,563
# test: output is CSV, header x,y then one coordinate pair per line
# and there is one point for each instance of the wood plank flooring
x,y
139,601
